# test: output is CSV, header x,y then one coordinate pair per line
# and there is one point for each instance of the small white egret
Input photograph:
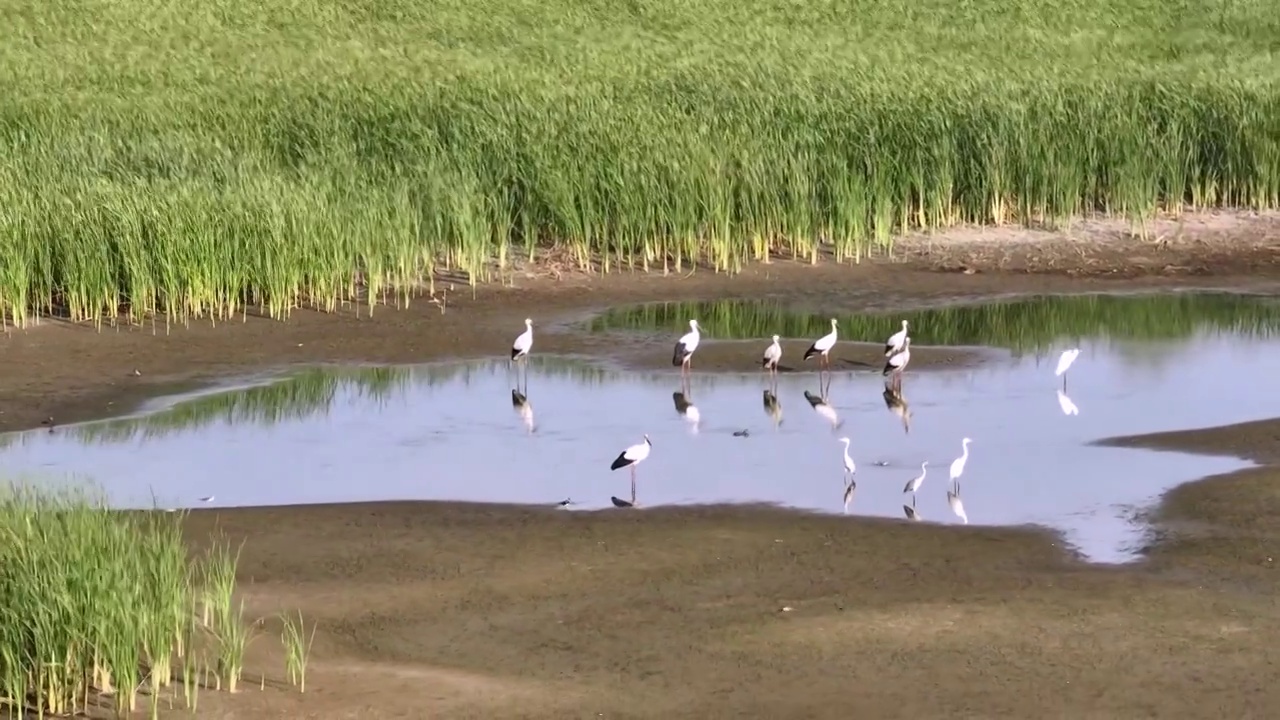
x,y
1064,362
631,457
957,507
772,355
849,468
957,465
896,341
823,345
685,346
914,484
1068,407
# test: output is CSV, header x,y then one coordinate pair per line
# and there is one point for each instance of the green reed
x,y
1031,324
100,608
156,163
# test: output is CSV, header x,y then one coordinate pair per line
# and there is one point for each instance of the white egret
x,y
957,507
849,468
685,346
896,341
914,484
957,465
823,345
1064,362
772,355
1068,407
631,457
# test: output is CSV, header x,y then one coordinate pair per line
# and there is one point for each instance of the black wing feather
x,y
620,462
677,358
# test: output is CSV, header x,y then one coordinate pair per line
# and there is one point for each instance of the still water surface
x,y
451,431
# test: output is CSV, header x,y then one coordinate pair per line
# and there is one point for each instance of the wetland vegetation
x,y
104,610
161,159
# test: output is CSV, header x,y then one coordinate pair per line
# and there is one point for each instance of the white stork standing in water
x,y
772,356
1064,362
822,346
898,363
896,341
631,457
685,347
520,351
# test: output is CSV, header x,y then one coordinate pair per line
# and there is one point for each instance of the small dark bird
x,y
742,433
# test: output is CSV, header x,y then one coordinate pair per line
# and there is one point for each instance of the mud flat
x,y
492,610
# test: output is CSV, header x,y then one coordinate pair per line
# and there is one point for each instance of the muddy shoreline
x,y
498,611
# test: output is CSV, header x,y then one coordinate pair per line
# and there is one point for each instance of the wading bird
x,y
898,363
1064,362
822,346
914,483
957,465
896,341
631,457
849,468
685,346
772,355
520,350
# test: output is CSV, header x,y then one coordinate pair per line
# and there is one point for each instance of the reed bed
x,y
1032,325
163,162
104,611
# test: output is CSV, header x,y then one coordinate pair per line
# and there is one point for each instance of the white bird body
x,y
957,465
1065,359
898,363
633,455
896,341
914,484
823,345
772,355
957,507
849,467
524,341
1068,407
686,345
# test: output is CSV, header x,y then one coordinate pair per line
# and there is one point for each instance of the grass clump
x,y
100,609
269,155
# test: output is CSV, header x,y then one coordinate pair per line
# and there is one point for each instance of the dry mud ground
x,y
443,610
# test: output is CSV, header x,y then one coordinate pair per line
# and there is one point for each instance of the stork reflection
x,y
897,404
773,408
520,403
687,410
823,408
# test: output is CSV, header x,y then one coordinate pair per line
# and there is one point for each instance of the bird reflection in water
x,y
773,408
1068,407
687,410
823,408
897,404
957,507
910,511
520,403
